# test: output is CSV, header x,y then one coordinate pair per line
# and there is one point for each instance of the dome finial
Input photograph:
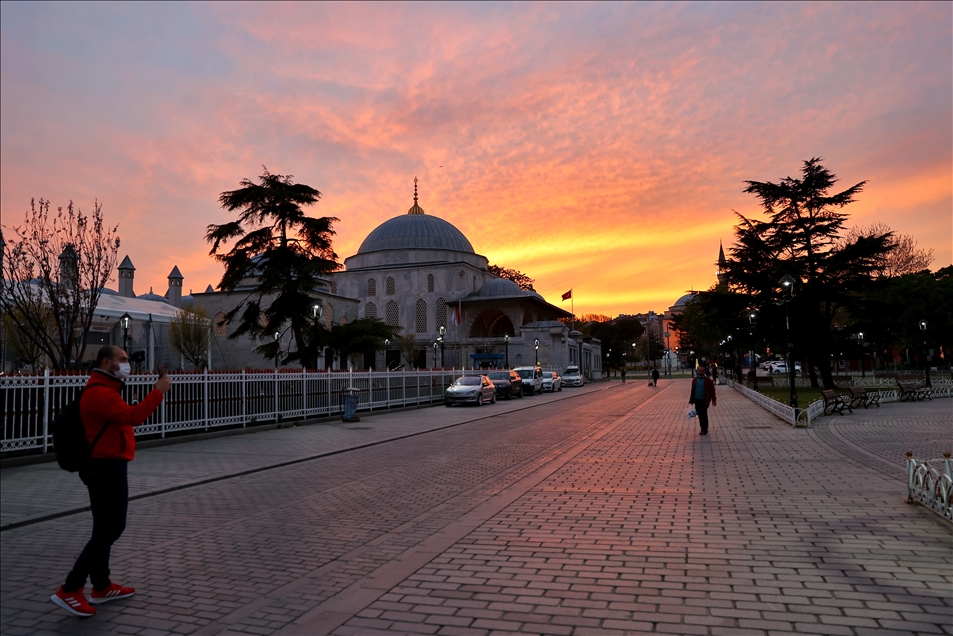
x,y
415,209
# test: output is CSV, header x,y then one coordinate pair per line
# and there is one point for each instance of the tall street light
x,y
434,353
443,330
926,352
277,348
787,284
125,322
506,350
386,345
863,370
537,352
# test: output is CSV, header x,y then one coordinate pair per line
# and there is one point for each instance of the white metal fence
x,y
204,401
807,416
930,483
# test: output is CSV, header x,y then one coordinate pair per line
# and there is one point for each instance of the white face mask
x,y
123,371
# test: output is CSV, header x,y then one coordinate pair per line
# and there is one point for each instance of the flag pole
x,y
572,306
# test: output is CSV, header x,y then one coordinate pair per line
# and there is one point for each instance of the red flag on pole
x,y
567,295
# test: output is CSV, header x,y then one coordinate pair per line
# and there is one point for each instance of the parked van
x,y
532,379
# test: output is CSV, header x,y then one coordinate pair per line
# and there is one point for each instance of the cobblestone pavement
x,y
601,514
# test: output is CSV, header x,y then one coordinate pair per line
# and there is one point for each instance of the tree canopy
x,y
522,280
285,251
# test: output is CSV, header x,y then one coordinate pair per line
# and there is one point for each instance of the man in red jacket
x,y
703,394
105,475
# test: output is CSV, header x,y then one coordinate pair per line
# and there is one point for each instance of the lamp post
x,y
668,353
506,350
926,352
787,284
752,316
863,370
537,352
386,344
125,322
277,348
443,330
434,353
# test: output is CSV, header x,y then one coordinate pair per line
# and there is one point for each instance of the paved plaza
x,y
593,511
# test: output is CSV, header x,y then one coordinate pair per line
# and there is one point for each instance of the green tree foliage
x,y
190,335
283,249
54,271
801,238
525,282
617,337
345,341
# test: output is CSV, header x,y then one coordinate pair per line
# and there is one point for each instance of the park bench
x,y
835,403
914,391
862,397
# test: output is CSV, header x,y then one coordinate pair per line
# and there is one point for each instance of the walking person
x,y
102,408
701,396
655,375
623,375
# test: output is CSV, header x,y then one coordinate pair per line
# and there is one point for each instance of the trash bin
x,y
349,405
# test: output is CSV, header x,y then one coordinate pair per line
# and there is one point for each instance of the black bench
x,y
861,397
914,391
835,403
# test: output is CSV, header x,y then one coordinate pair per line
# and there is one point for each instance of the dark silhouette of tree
x,y
190,335
904,257
280,253
525,282
802,239
54,270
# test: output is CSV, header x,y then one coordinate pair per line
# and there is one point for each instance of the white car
x,y
532,379
782,368
552,381
572,377
476,389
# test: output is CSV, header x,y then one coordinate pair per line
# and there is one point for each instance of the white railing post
x,y
205,412
276,395
244,399
162,417
304,392
46,407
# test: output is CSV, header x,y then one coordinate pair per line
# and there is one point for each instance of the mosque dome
x,y
153,296
415,230
498,287
681,302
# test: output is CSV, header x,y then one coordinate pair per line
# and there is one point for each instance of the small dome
x,y
415,231
152,296
683,300
105,291
499,287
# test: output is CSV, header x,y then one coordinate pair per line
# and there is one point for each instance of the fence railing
x,y
930,482
805,417
204,401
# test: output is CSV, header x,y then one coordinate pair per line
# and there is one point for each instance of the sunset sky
x,y
598,147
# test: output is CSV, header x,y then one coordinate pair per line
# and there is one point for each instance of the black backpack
x,y
69,438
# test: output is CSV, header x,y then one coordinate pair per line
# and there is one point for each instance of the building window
x,y
334,287
440,313
220,325
328,315
393,314
421,308
343,320
430,283
389,284
370,310
371,287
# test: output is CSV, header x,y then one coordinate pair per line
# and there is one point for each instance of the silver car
x,y
475,389
572,377
552,381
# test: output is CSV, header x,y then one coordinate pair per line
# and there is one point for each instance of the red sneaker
x,y
111,593
73,602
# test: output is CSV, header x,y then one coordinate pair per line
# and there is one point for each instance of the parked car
x,y
573,377
782,368
532,379
470,388
508,383
552,381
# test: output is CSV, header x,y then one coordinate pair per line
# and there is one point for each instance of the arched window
x,y
334,287
393,314
370,310
430,283
421,309
328,315
389,286
371,287
220,325
343,320
440,313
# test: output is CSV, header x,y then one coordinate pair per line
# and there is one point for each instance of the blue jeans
x,y
108,485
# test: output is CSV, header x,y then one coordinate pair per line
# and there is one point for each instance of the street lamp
x,y
537,352
277,348
926,352
317,310
668,351
125,322
434,353
787,283
863,353
443,330
506,349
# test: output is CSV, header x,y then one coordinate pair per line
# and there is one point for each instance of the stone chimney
x,y
69,267
126,273
175,287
